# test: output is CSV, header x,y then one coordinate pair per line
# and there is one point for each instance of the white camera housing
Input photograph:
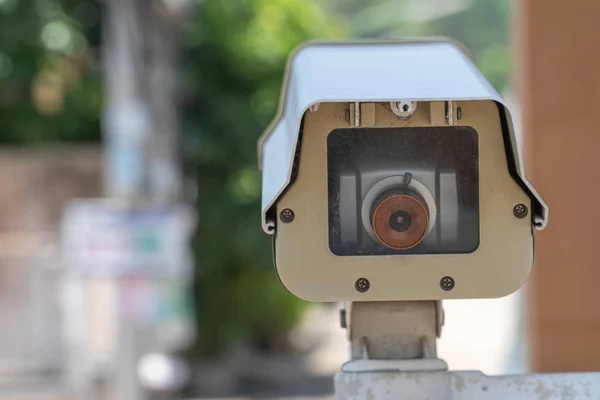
x,y
401,98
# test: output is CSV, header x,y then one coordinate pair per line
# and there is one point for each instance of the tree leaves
x,y
48,89
234,59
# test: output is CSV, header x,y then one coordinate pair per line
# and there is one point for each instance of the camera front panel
x,y
403,190
486,256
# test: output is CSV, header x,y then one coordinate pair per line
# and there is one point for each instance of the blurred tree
x,y
49,86
484,29
482,25
234,57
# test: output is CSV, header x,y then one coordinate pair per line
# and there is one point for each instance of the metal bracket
x,y
393,358
411,329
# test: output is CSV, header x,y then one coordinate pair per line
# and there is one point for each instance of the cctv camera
x,y
392,172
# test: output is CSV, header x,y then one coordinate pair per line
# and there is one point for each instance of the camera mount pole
x,y
393,357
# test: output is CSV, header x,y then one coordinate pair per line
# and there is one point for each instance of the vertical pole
x,y
559,77
126,121
141,119
141,133
126,134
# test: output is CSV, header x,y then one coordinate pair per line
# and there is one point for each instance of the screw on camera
x,y
447,283
362,285
287,215
520,211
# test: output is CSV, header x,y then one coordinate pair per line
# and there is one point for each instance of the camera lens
x,y
400,221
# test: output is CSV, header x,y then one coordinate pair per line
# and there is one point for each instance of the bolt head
x,y
287,215
520,211
362,285
447,283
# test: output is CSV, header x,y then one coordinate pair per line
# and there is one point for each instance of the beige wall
x,y
34,186
559,59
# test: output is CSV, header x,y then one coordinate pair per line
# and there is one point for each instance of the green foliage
x,y
482,25
48,89
234,58
483,28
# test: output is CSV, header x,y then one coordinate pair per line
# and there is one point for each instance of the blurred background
x,y
132,260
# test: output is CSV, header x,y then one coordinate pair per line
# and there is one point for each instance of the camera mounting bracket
x,y
394,358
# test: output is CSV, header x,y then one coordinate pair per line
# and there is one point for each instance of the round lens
x,y
400,222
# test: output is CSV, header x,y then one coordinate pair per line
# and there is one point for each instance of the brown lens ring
x,y
395,185
400,240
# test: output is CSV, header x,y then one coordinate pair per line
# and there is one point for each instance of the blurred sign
x,y
166,304
111,238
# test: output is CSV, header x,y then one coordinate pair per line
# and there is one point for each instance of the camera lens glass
x,y
400,221
376,209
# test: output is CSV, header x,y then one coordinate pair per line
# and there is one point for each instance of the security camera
x,y
392,172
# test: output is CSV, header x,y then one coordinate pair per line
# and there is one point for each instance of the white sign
x,y
111,238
